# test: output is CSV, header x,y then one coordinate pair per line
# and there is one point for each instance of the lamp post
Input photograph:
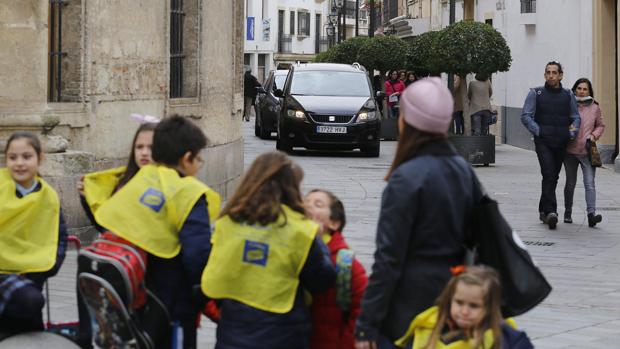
x,y
337,13
329,29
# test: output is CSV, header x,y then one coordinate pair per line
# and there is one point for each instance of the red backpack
x,y
119,262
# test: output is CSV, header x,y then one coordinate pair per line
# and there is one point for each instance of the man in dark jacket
x,y
250,83
550,114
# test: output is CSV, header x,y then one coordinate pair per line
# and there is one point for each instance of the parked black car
x,y
267,105
328,106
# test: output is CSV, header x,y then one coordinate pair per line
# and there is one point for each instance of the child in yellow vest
x,y
266,252
100,187
33,236
467,316
166,211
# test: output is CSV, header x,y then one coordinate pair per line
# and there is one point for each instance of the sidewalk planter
x,y
389,129
478,150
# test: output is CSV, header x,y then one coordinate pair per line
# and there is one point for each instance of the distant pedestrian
x,y
458,93
425,208
335,311
376,85
393,89
402,75
250,83
479,94
591,130
266,257
467,315
411,78
550,114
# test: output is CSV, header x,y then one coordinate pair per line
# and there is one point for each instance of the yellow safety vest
x,y
150,210
99,186
259,265
422,327
28,228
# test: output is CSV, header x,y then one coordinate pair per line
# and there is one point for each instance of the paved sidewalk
x,y
583,311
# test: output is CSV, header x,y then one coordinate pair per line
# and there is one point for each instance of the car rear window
x,y
329,83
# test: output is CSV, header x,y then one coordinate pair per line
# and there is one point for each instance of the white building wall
x,y
301,44
562,32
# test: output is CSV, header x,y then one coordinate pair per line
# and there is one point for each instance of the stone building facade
x,y
117,57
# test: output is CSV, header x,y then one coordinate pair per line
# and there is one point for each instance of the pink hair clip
x,y
144,119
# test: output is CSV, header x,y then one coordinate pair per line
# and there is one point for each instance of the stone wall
x,y
117,64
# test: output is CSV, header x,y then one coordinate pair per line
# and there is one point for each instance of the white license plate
x,y
331,129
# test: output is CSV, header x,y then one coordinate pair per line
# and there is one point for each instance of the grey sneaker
x,y
552,220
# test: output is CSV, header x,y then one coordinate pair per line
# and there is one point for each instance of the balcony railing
x,y
285,43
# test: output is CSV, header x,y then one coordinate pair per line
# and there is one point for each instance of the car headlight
x,y
298,114
366,116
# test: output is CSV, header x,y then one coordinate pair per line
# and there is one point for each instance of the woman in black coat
x,y
423,218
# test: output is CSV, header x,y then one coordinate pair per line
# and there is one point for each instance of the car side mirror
x,y
278,93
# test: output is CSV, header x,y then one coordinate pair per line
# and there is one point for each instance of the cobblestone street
x,y
583,311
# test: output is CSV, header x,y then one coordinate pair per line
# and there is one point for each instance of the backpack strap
x,y
344,266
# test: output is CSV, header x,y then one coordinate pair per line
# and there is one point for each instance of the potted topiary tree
x,y
471,47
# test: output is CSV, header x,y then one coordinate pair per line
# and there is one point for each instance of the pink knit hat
x,y
427,105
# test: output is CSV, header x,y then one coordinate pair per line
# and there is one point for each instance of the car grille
x,y
338,119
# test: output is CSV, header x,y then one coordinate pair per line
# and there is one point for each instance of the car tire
x,y
283,145
372,151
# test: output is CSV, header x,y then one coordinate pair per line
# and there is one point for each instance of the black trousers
x,y
550,159
23,312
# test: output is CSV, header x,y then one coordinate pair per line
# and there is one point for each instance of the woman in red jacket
x,y
393,89
335,311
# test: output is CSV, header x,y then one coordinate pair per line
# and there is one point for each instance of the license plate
x,y
331,129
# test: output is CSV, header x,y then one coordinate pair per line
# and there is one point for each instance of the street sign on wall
x,y
250,28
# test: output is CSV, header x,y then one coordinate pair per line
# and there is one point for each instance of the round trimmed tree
x,y
471,47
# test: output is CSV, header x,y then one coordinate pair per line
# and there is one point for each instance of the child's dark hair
x,y
30,137
132,165
174,136
335,206
272,181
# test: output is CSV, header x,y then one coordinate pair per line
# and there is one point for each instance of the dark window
x,y
292,23
330,83
55,52
489,21
303,23
176,48
528,6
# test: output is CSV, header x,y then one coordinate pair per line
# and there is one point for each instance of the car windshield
x,y
329,83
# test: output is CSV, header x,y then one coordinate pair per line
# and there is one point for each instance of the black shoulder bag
x,y
494,243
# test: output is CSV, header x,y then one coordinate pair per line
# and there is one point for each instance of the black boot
x,y
567,216
593,219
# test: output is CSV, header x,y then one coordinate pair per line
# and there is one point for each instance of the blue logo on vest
x,y
255,253
153,199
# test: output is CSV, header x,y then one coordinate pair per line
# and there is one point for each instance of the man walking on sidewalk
x,y
550,113
250,83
